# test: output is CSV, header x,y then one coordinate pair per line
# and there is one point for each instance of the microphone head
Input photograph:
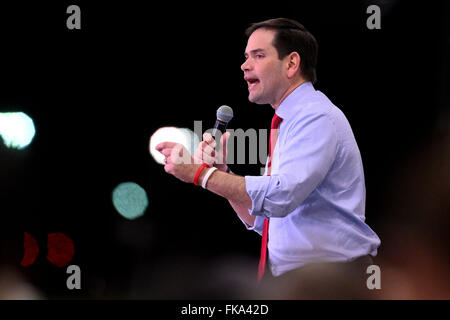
x,y
224,114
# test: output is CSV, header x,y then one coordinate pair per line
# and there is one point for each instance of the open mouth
x,y
252,82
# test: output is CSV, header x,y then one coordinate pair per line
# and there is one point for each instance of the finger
x,y
166,152
203,145
208,137
165,145
209,151
207,147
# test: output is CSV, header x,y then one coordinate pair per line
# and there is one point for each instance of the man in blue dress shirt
x,y
315,194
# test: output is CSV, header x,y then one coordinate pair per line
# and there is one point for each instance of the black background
x,y
97,94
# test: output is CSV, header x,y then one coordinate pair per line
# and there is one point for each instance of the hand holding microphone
x,y
206,149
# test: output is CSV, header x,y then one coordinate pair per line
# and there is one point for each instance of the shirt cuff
x,y
257,225
257,187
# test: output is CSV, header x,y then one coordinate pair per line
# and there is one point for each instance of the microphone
x,y
224,115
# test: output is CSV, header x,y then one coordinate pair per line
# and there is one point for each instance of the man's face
x,y
263,70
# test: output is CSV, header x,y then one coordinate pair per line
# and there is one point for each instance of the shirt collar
x,y
286,109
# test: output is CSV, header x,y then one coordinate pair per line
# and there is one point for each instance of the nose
x,y
246,65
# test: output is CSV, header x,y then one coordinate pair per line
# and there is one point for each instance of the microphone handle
x,y
219,126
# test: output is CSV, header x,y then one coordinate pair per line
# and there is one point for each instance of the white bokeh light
x,y
184,136
16,129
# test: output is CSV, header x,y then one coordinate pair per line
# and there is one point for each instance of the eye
x,y
259,56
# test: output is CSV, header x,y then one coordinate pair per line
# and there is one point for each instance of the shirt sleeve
x,y
304,160
257,226
259,221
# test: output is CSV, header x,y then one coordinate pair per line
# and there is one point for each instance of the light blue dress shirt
x,y
315,196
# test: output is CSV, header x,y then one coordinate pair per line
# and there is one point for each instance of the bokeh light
x,y
184,136
16,129
130,200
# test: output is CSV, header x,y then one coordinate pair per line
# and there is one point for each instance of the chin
x,y
254,99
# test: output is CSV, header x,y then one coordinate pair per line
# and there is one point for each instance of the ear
x,y
293,64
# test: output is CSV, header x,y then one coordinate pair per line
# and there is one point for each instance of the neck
x,y
288,91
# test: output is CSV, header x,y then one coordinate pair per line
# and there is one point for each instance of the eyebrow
x,y
254,51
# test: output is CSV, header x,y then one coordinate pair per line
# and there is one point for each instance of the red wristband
x,y
199,171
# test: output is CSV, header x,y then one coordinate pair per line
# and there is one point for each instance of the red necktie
x,y
272,142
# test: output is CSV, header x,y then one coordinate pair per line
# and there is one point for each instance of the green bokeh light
x,y
130,200
16,129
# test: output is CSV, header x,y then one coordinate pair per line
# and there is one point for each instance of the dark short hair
x,y
291,36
